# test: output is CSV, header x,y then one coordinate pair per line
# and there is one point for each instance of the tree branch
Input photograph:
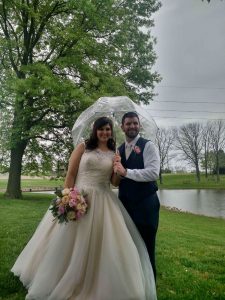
x,y
36,121
7,35
52,13
43,138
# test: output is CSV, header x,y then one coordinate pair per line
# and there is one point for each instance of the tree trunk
x,y
197,173
14,181
160,177
217,168
206,166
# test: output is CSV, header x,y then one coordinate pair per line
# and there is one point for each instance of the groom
x,y
139,168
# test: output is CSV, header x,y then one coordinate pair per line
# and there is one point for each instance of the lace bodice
x,y
95,169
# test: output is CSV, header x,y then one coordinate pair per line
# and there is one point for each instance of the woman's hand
x,y
115,180
116,160
117,166
117,157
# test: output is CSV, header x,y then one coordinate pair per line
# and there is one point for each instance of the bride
x,y
99,257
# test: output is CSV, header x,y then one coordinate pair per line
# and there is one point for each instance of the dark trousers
x,y
146,218
148,234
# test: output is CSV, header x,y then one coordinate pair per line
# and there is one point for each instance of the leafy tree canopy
x,y
58,56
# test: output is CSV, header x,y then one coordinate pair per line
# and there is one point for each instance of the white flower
x,y
58,200
65,191
71,215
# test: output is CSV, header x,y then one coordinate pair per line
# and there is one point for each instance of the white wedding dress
x,y
99,257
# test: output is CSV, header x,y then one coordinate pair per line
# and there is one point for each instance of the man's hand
x,y
119,169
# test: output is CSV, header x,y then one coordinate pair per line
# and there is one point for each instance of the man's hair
x,y
130,114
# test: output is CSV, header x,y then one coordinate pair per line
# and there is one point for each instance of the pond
x,y
202,202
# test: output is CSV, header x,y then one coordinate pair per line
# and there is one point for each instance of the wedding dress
x,y
99,257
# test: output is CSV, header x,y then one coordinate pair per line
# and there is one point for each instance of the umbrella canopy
x,y
114,108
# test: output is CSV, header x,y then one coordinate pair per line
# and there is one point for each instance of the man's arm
x,y
151,166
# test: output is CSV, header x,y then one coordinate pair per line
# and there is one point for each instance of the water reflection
x,y
202,202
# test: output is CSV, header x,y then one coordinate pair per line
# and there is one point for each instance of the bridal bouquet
x,y
70,205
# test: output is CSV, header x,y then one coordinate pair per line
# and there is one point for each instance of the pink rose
x,y
79,214
74,192
137,150
72,202
61,210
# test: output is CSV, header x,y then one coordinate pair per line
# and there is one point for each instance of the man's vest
x,y
136,196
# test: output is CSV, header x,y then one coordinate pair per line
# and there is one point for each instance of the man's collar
x,y
134,141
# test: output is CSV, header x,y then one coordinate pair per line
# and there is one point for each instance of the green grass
x,y
35,183
190,257
18,220
188,181
170,181
190,250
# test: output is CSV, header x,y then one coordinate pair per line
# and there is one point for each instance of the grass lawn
x,y
35,183
170,181
188,181
190,257
190,250
18,220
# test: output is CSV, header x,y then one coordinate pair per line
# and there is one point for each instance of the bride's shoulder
x,y
80,148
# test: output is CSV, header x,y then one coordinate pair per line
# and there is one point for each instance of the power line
x,y
181,102
191,87
197,118
189,111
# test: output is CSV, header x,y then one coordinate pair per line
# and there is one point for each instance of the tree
x,y
4,145
217,136
164,142
189,142
58,56
222,162
206,147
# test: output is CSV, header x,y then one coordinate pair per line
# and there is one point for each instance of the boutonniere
x,y
137,149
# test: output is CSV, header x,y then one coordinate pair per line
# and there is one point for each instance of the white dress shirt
x,y
151,163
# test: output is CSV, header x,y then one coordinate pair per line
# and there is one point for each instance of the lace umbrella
x,y
114,108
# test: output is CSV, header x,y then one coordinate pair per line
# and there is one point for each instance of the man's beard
x,y
132,134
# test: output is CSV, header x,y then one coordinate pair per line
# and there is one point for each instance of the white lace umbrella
x,y
114,108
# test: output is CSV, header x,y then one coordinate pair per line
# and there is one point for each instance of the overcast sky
x,y
191,60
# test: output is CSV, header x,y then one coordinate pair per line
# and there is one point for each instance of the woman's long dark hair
x,y
92,142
